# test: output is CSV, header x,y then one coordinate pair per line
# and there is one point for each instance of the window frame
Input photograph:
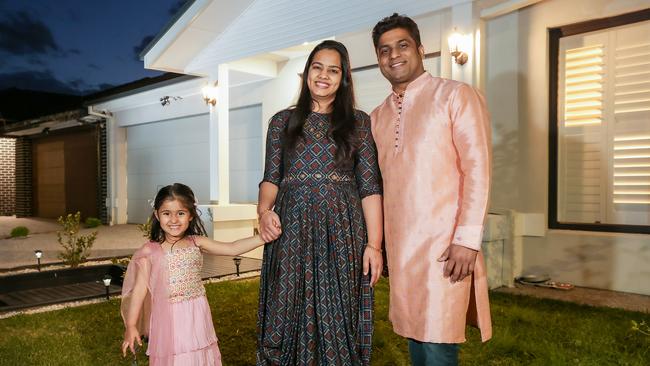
x,y
555,34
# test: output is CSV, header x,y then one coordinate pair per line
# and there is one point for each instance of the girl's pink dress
x,y
176,314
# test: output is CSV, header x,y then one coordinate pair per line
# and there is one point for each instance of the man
x,y
433,139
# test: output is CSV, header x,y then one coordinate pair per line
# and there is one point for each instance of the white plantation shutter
x,y
630,129
604,127
581,143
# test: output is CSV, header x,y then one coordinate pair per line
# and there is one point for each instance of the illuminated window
x,y
602,145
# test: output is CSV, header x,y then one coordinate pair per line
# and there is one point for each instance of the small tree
x,y
76,248
146,228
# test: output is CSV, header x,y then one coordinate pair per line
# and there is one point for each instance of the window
x,y
600,125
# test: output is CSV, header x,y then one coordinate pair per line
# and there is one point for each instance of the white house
x,y
567,84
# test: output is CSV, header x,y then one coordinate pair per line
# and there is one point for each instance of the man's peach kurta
x,y
434,156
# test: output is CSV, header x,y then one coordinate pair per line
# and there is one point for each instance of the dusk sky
x,y
80,46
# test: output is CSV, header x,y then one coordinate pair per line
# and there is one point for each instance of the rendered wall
x,y
517,92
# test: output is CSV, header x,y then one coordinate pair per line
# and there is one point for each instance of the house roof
x,y
211,32
20,104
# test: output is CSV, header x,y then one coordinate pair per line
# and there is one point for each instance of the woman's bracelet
x,y
371,247
266,210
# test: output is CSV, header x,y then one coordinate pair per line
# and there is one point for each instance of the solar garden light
x,y
107,283
237,261
38,253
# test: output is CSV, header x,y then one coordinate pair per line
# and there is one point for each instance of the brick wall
x,y
23,177
7,176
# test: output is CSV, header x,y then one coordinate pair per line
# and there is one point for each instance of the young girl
x,y
163,296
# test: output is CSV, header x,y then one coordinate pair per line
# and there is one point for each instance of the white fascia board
x,y
174,31
183,89
271,25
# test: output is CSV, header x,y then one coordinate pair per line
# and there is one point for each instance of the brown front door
x,y
49,178
65,174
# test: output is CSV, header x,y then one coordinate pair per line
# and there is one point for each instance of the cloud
x,y
93,66
20,33
47,82
36,80
141,46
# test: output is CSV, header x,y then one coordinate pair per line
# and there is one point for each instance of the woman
x,y
322,191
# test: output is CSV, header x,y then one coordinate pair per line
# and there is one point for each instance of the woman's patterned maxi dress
x,y
315,304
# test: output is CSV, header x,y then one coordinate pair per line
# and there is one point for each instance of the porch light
x,y
237,261
38,254
457,44
107,283
210,94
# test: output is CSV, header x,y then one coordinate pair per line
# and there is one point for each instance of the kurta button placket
x,y
398,120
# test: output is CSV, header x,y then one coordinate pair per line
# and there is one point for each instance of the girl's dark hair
x,y
184,194
343,120
396,21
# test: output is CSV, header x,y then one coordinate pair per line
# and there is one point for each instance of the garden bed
x,y
50,287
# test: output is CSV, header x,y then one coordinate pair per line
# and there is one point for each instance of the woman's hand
x,y
372,261
270,228
131,335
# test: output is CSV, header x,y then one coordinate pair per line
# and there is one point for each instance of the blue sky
x,y
77,46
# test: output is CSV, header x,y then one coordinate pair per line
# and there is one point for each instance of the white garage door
x,y
245,153
371,88
166,152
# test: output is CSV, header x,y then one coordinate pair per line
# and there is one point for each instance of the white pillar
x,y
117,156
465,20
223,108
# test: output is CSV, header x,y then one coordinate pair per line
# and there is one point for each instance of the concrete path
x,y
112,241
586,296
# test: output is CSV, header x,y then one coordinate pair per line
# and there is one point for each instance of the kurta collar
x,y
415,84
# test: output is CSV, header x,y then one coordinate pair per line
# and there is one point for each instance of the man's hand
x,y
460,262
270,228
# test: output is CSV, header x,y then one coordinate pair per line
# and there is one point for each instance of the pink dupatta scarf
x,y
155,318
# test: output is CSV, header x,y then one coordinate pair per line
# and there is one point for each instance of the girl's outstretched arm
x,y
237,247
131,335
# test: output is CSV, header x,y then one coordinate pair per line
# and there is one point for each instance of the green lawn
x,y
527,331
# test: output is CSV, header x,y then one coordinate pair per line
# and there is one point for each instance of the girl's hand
x,y
131,335
372,261
270,228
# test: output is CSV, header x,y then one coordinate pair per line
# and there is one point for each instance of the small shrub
x,y
146,228
92,222
76,248
19,231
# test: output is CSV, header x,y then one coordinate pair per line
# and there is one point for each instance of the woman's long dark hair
x,y
183,193
343,120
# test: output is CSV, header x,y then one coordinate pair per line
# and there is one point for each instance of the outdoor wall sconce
x,y
458,43
38,253
210,94
107,283
237,261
